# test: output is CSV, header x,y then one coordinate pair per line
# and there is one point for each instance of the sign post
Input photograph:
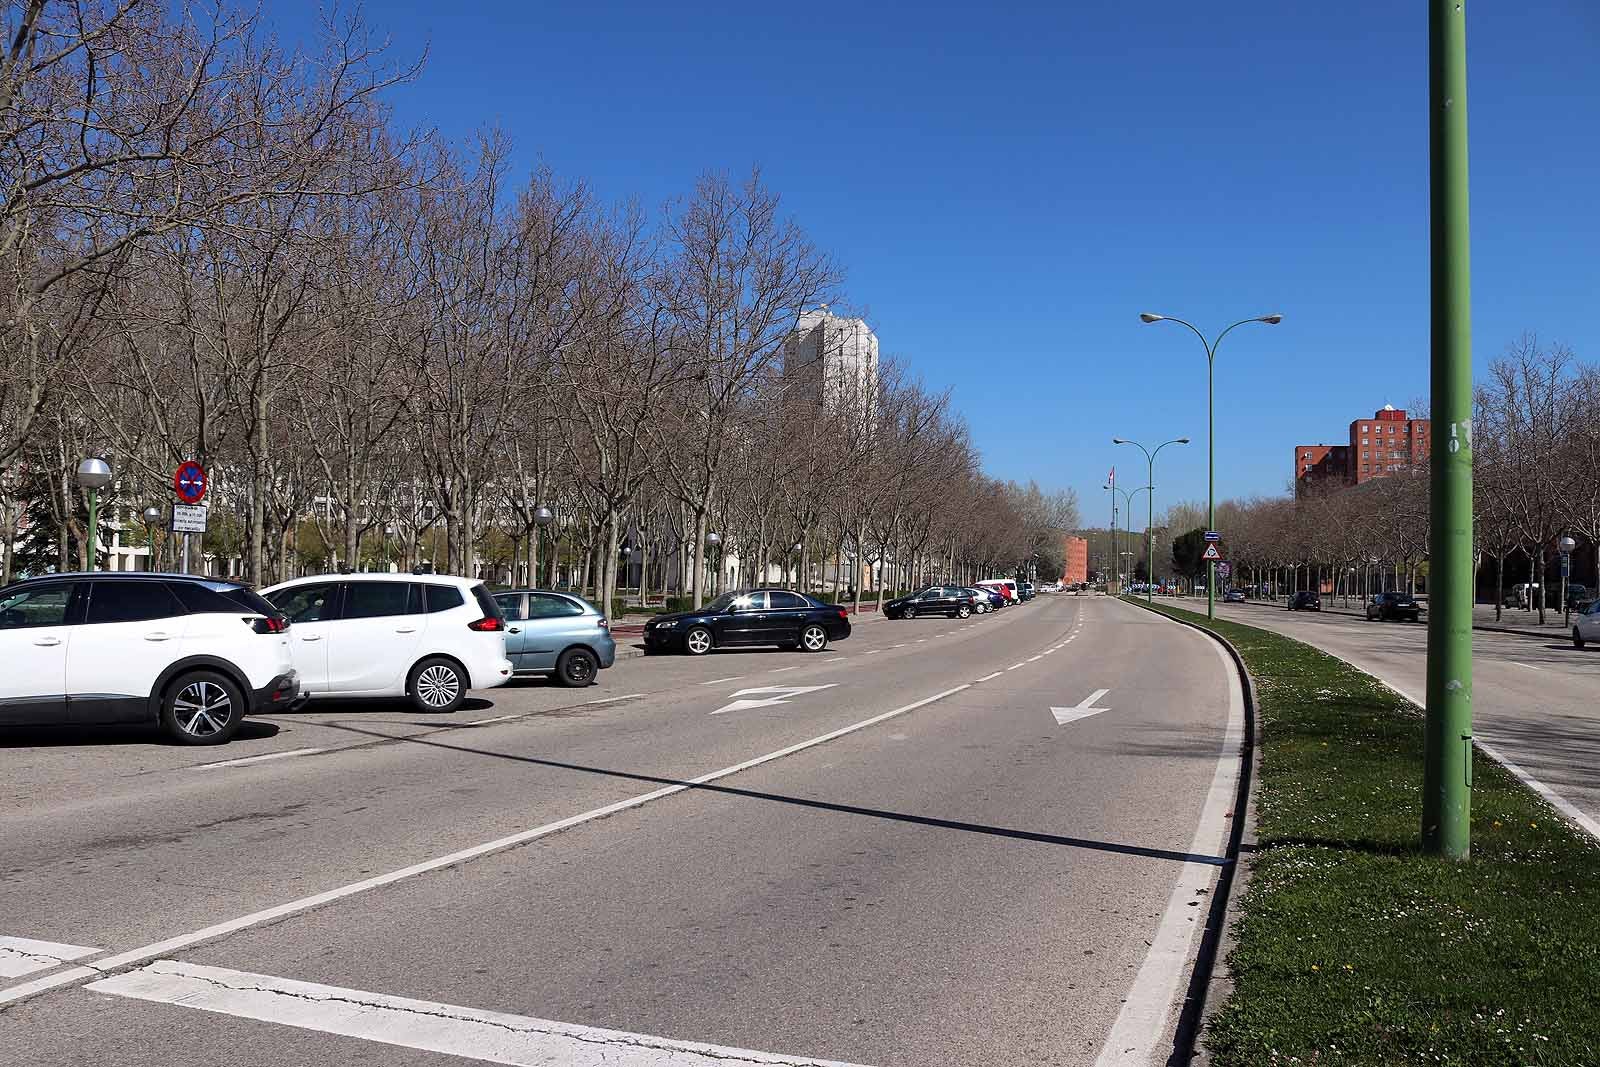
x,y
189,482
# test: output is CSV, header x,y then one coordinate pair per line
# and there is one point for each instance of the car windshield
x,y
723,602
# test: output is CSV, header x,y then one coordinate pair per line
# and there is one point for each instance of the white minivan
x,y
429,637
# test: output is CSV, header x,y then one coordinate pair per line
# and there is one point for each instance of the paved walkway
x,y
1511,621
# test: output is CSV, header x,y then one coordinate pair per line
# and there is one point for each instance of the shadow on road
x,y
816,805
80,736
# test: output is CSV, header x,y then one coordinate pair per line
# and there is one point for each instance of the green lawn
x,y
1353,947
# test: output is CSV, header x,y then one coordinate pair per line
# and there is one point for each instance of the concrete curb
x,y
1558,633
1209,985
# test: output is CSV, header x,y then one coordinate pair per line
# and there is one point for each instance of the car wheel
x,y
437,685
910,613
576,668
813,638
963,612
1577,638
203,708
698,641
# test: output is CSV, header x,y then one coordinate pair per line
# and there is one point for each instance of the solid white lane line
x,y
259,759
497,718
719,681
139,955
24,955
986,677
492,1036
610,700
1141,1025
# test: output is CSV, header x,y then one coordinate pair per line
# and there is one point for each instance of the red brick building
x,y
1076,554
1379,446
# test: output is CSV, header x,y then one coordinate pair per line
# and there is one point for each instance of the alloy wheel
x,y
814,638
699,642
203,709
438,686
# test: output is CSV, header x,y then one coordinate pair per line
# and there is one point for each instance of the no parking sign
x,y
189,482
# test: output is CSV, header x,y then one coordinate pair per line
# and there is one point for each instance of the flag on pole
x,y
1112,477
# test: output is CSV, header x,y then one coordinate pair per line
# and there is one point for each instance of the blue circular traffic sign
x,y
190,482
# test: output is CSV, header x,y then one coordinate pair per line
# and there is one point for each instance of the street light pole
x,y
1566,544
151,516
1447,731
1211,431
94,474
1150,507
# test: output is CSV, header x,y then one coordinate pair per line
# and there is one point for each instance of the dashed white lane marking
x,y
491,1036
874,651
986,677
1014,666
259,759
780,670
485,722
901,645
719,681
1530,666
1033,658
24,955
611,700
1142,1022
136,956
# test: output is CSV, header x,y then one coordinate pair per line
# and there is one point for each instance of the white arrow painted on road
x,y
1081,710
779,694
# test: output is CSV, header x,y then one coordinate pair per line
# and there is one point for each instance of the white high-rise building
x,y
835,360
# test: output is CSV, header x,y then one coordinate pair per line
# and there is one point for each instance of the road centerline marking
x,y
264,757
719,681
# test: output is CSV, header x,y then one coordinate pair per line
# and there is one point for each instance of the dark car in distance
x,y
752,617
1305,600
1386,606
948,600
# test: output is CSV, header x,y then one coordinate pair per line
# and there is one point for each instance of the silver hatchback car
x,y
555,634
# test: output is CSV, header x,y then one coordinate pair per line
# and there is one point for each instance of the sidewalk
x,y
1512,620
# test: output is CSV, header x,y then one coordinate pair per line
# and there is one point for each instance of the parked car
x,y
1522,595
1393,605
1586,627
755,617
428,637
1305,600
555,634
948,600
194,655
1006,587
1233,596
986,600
1578,596
1025,590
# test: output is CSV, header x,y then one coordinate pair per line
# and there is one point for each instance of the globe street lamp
x,y
94,474
796,549
1566,544
1150,505
151,516
542,517
1211,431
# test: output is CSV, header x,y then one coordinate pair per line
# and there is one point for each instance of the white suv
x,y
429,637
194,654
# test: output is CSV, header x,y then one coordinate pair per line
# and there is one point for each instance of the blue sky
x,y
1009,185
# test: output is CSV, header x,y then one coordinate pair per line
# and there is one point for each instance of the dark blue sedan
x,y
755,617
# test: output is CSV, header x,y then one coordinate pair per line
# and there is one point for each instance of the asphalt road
x,y
909,859
1533,698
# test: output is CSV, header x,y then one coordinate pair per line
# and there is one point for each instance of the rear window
x,y
486,603
207,598
443,597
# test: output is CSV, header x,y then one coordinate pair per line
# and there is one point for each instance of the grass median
x,y
1352,947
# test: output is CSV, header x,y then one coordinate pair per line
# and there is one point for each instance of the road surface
x,y
975,842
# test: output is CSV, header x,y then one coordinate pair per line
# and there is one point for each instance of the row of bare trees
x,y
388,351
1535,436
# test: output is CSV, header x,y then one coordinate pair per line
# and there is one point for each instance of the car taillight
x,y
268,624
843,613
487,624
604,625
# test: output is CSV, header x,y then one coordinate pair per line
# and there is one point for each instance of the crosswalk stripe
x,y
24,955
489,1036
